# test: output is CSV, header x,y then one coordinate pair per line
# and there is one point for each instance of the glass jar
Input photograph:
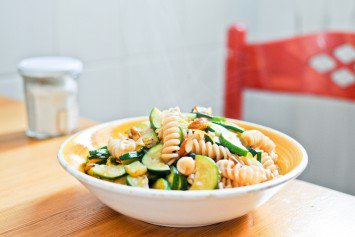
x,y
51,93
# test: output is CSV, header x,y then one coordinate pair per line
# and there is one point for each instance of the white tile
x,y
208,77
204,21
340,16
26,30
103,93
270,109
321,126
275,19
89,30
183,79
244,12
311,16
150,26
11,86
151,83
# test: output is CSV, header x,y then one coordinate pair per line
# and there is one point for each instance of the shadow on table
x,y
13,140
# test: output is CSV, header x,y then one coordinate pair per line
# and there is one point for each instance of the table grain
x,y
38,198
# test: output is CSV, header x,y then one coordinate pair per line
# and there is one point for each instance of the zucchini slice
x,y
136,169
150,139
131,155
183,185
101,153
213,140
161,184
255,153
232,142
121,180
207,174
231,126
152,161
156,118
127,162
173,178
140,181
108,171
216,128
176,180
181,133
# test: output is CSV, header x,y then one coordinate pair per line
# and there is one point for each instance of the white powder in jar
x,y
51,94
53,109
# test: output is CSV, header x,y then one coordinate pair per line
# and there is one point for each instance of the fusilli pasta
x,y
202,147
250,161
225,183
269,164
257,140
242,175
171,137
194,134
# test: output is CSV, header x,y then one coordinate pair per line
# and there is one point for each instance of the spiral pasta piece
x,y
269,164
118,147
242,175
248,175
186,165
202,147
226,167
194,134
225,183
171,137
257,140
250,161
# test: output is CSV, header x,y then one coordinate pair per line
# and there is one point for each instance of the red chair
x,y
321,64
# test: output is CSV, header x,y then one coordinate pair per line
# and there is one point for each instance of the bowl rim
x,y
192,194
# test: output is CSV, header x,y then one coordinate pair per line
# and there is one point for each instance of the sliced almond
x,y
182,151
200,124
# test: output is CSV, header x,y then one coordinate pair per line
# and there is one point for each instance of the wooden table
x,y
38,198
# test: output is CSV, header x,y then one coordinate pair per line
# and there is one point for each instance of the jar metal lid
x,y
50,66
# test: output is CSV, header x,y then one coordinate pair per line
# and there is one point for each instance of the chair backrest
x,y
320,64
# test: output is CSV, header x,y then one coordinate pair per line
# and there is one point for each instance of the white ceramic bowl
x,y
179,208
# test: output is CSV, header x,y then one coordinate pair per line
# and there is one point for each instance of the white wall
x,y
140,54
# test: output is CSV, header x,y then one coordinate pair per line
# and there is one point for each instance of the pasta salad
x,y
185,151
